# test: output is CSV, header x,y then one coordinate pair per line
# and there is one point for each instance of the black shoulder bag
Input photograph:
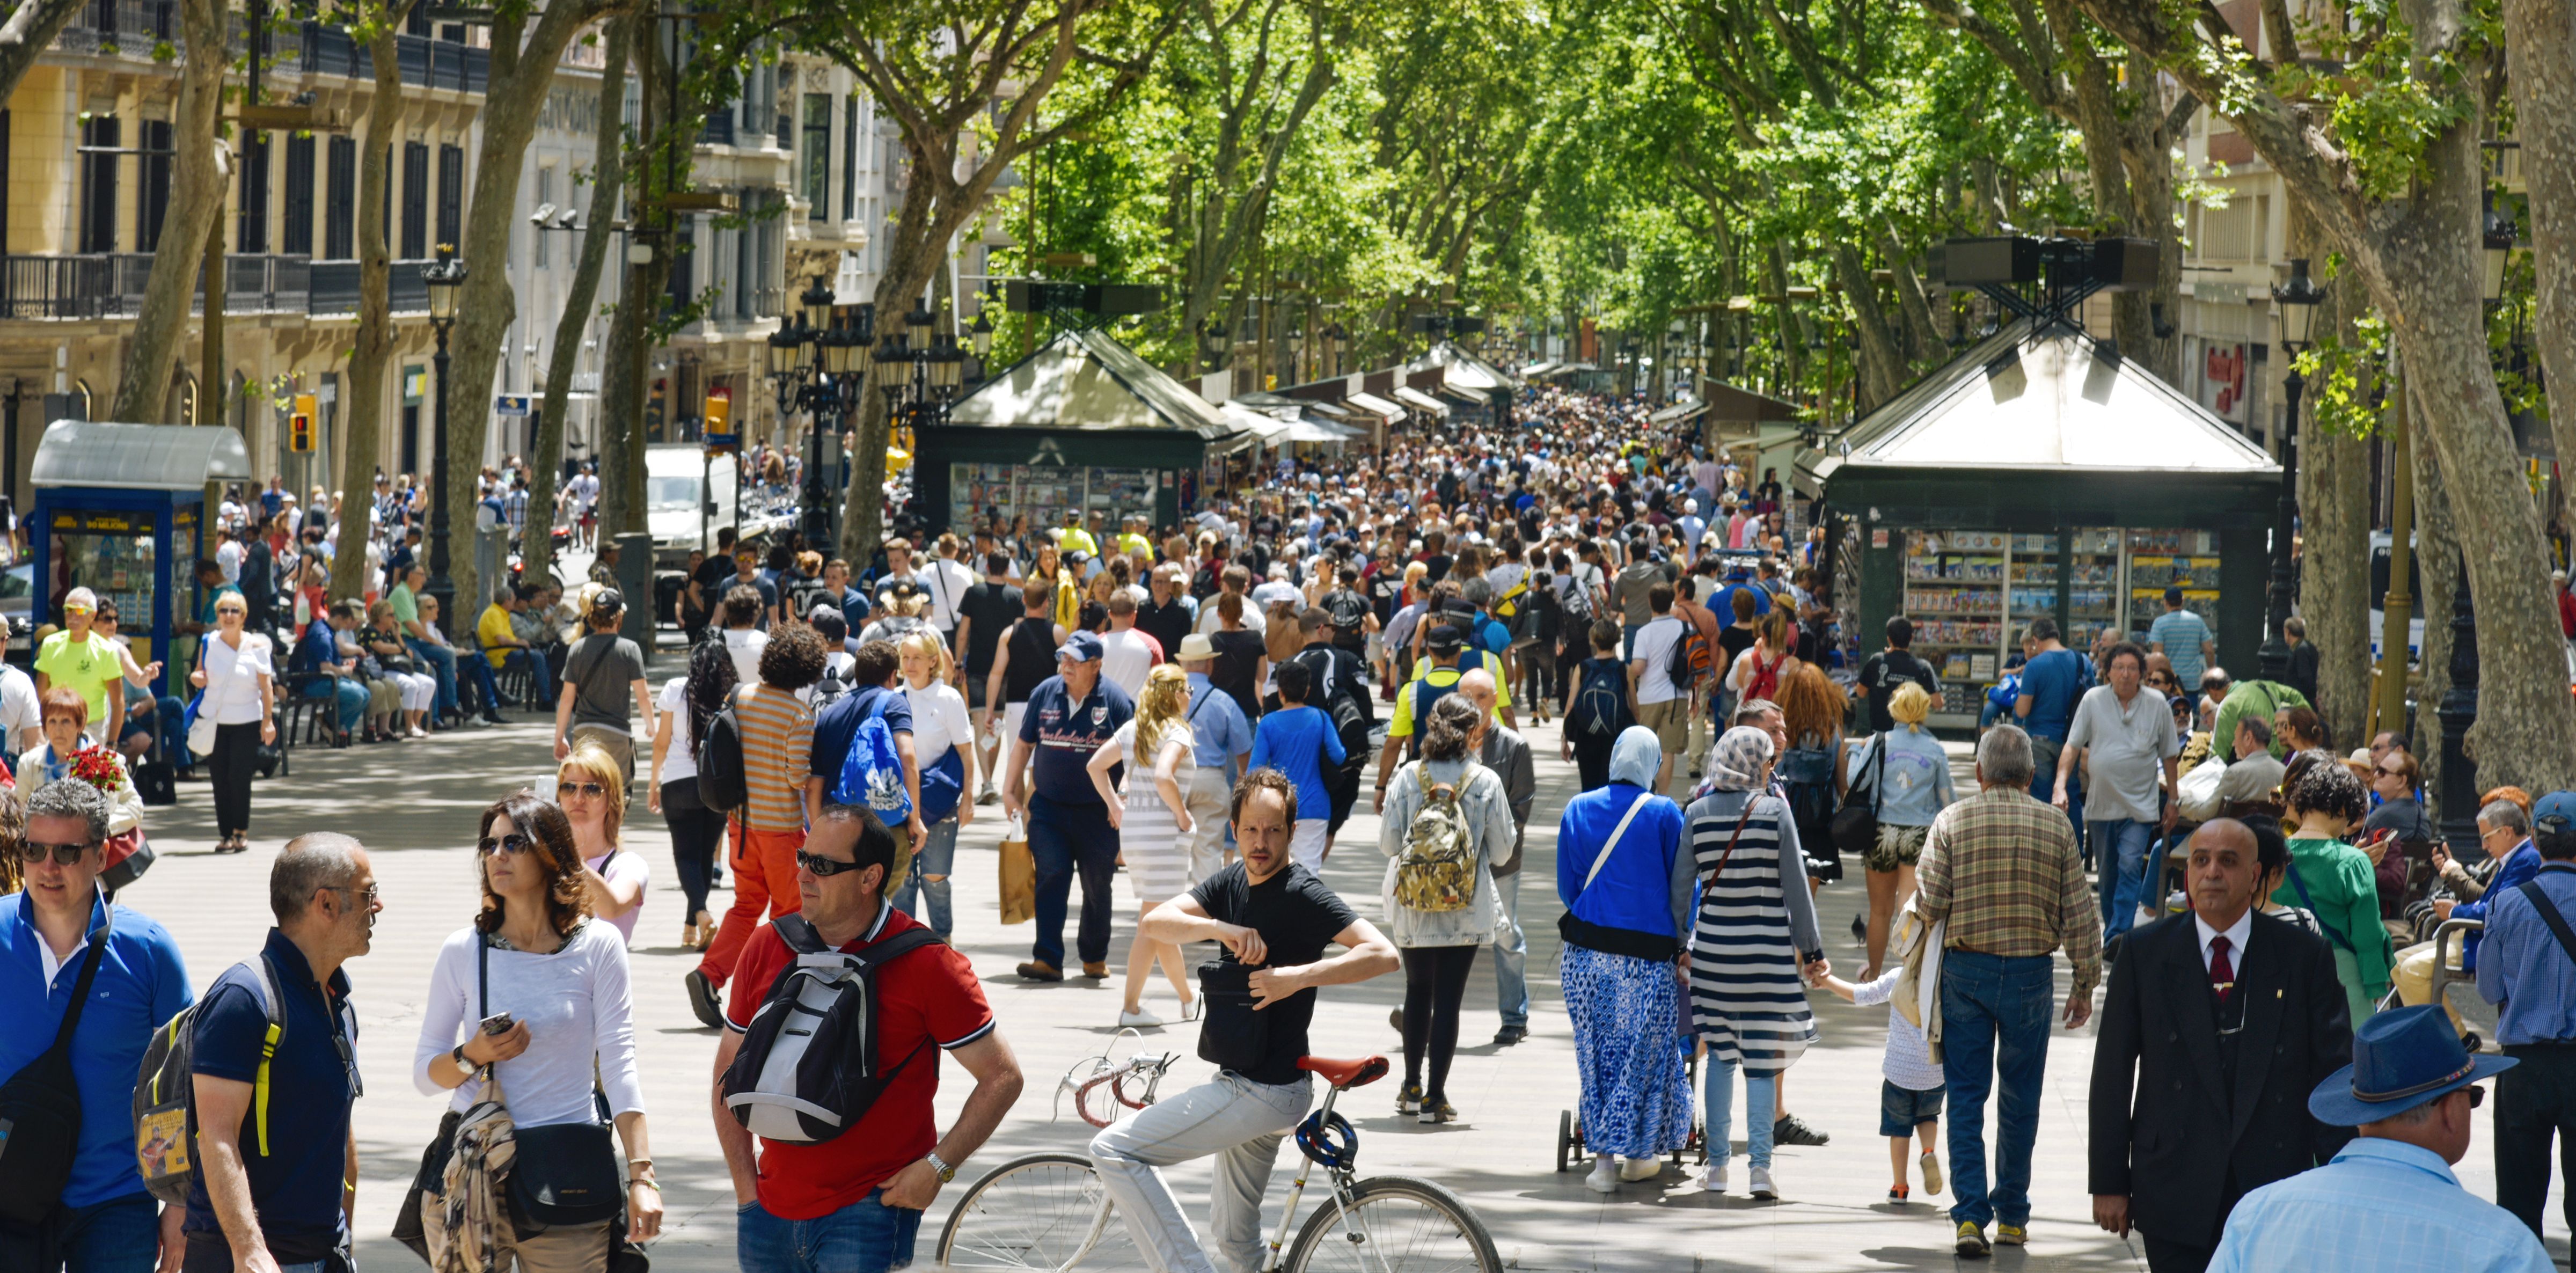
x,y
563,1173
1232,1034
40,1114
1854,828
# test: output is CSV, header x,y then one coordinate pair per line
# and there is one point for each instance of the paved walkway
x,y
415,804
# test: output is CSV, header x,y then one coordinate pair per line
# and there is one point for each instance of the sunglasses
x,y
822,867
512,843
593,790
2386,772
63,854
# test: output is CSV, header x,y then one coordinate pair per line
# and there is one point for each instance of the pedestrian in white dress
x,y
1153,822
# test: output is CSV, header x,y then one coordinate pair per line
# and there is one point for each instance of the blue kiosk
x,y
118,510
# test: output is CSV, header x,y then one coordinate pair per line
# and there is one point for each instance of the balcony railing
x,y
133,28
129,27
111,286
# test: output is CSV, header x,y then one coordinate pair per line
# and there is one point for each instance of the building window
x,y
152,200
340,201
815,151
415,201
850,158
296,238
545,200
250,236
100,136
451,194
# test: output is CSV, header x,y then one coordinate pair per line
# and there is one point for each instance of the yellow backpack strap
x,y
267,1049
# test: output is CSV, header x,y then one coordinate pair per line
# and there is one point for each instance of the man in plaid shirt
x,y
2003,870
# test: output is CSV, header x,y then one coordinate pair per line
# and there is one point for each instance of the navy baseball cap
x,y
1081,647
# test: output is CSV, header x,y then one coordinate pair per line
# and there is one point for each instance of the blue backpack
x,y
872,773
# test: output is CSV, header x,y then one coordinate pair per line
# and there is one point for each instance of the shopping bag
x,y
1019,876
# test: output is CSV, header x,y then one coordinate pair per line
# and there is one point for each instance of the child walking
x,y
1911,1086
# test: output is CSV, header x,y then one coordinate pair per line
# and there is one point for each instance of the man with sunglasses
x,y
276,1184
83,659
104,1222
857,1199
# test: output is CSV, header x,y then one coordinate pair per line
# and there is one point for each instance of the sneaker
x,y
1790,1129
988,796
1510,1035
1762,1188
1138,1020
1898,1195
1605,1175
1931,1164
1636,1169
1713,1180
1395,1019
2012,1234
1035,971
1409,1101
702,1000
1443,1112
1972,1241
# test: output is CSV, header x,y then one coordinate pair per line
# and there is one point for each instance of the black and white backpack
x,y
807,1071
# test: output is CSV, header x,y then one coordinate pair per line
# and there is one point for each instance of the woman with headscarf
x,y
1756,926
1627,886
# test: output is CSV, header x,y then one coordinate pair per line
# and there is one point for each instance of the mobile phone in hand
x,y
497,1023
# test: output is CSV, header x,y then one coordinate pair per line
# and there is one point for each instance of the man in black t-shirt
x,y
984,617
1275,916
1891,668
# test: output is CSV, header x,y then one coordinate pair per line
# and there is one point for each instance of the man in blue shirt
x,y
272,1186
1069,716
2051,683
2529,971
104,1220
1223,752
836,727
2388,1203
329,675
1299,741
2184,637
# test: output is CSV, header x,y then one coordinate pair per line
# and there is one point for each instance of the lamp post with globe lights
x,y
445,279
2298,301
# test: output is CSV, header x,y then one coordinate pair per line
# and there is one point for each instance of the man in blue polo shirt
x,y
836,727
104,1220
1221,753
274,1190
1069,716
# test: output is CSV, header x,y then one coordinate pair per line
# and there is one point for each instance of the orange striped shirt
x,y
777,753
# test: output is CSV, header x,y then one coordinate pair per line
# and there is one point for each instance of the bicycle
x,y
1049,1211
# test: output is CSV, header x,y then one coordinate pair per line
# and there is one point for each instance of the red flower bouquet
x,y
98,767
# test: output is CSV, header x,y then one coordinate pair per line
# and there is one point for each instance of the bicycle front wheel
x,y
1045,1211
1395,1224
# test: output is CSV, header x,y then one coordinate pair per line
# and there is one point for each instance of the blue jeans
x,y
1511,952
1628,639
938,856
2122,847
1994,1026
1067,839
541,681
1761,1109
115,1236
487,687
441,662
866,1236
352,697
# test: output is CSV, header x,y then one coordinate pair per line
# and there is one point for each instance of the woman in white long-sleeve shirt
x,y
562,978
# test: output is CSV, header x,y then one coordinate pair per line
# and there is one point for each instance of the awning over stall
x,y
1679,411
153,457
1417,399
1374,405
1086,380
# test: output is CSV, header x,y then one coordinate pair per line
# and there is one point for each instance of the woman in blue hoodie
x,y
1627,886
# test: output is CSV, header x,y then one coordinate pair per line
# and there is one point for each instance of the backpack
x,y
829,690
165,1107
1348,609
1765,681
808,1068
1436,872
1508,606
1688,659
724,783
872,772
1600,707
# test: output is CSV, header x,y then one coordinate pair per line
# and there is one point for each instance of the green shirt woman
x,y
2334,880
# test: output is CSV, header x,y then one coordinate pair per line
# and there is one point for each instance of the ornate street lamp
x,y
2495,252
2297,301
982,331
445,278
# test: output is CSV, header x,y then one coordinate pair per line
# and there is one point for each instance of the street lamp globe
x,y
2297,301
817,303
445,278
982,330
2495,253
862,338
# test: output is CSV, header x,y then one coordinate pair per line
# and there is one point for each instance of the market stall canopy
x,y
1679,411
1315,431
1741,410
1374,405
1538,369
1463,372
1417,399
151,457
2056,409
1087,380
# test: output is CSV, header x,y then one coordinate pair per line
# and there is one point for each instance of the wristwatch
x,y
946,1172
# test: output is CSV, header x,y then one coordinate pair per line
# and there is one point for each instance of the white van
x,y
686,498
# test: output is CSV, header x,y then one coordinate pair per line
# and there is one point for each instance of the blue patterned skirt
x,y
1629,1045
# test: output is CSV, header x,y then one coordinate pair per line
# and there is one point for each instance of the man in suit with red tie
x,y
2217,1025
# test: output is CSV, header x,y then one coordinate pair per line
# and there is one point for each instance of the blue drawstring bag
x,y
872,774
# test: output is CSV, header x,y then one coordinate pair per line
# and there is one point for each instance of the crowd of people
x,y
1202,706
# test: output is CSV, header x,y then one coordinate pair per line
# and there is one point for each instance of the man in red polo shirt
x,y
853,1204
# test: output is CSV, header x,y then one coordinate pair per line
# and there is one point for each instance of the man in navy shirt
x,y
1069,716
272,1187
836,727
104,1220
2051,682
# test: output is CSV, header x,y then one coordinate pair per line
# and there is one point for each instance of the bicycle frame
x,y
1341,1181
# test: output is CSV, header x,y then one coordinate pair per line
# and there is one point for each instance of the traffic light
x,y
299,433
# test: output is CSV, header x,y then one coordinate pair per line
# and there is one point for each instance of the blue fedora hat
x,y
2400,1060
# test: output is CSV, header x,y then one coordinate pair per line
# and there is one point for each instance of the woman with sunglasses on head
x,y
237,670
591,787
531,1006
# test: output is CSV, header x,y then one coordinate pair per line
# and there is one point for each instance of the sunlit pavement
x,y
415,805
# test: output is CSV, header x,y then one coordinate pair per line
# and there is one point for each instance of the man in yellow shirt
x,y
1131,536
501,643
1075,539
83,660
